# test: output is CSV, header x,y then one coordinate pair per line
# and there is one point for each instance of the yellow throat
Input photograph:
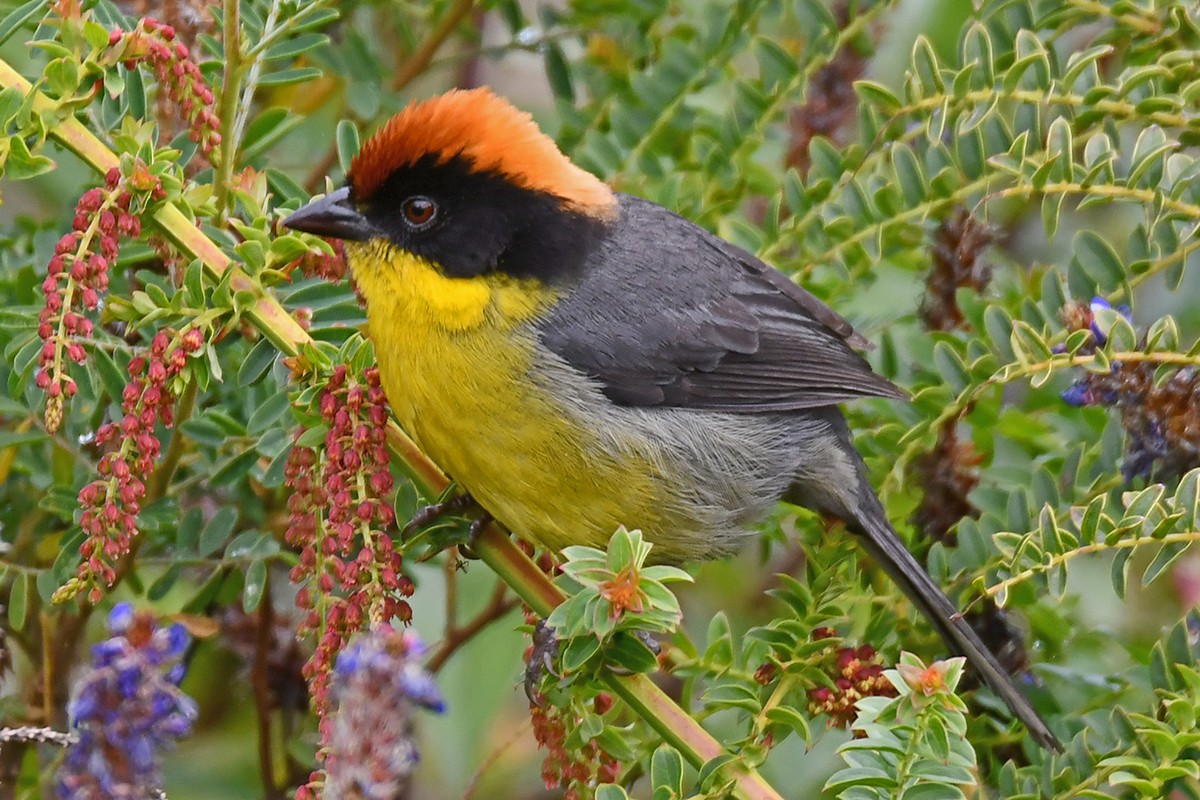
x,y
457,360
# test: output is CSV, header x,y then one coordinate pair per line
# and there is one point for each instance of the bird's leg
x,y
542,656
473,534
455,505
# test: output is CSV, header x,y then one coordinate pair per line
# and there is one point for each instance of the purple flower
x,y
420,687
1078,394
126,709
177,640
377,684
120,618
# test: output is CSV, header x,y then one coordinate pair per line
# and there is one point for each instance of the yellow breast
x,y
456,358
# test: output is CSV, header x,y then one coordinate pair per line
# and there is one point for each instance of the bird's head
x,y
468,184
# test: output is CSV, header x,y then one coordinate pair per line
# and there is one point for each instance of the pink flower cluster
x,y
314,264
856,672
349,569
574,771
112,502
154,43
76,278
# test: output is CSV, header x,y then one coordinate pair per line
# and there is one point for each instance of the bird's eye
x,y
419,211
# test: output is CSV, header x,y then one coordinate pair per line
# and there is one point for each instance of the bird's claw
x,y
541,660
473,533
435,511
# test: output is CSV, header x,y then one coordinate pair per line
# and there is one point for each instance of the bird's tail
x,y
881,541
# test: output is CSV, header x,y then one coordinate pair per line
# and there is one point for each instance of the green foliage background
x,y
835,142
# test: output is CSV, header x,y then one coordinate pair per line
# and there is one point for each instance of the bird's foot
x,y
435,511
542,656
473,534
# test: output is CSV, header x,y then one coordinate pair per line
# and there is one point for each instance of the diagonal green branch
x,y
272,320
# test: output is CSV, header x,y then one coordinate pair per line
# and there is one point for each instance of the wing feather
x,y
668,314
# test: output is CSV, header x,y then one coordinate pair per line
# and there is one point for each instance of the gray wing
x,y
667,314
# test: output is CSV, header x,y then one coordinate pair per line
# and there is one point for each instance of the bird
x,y
578,359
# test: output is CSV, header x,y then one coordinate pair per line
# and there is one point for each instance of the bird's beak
x,y
333,216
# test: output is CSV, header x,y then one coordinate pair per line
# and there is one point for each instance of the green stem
x,y
1118,109
912,749
1115,192
232,42
1057,559
1138,19
166,469
417,63
257,51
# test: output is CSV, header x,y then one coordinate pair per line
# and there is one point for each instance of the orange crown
x,y
492,135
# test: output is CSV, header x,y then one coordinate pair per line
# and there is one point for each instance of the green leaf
x,y
187,537
1025,340
932,791
579,650
234,468
19,438
251,544
710,771
631,653
313,437
111,376
776,65
558,72
268,413
878,95
267,129
95,34
286,77
789,718
609,791
1119,570
23,363
21,164
1100,260
255,585
257,362
348,143
1051,212
1187,499
925,67
666,770
297,45
620,550
858,776
216,532
1167,555
13,21
1060,148
950,366
18,602
909,174
164,583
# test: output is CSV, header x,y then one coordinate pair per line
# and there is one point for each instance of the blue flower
x,y
178,640
420,687
1078,394
126,709
120,618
